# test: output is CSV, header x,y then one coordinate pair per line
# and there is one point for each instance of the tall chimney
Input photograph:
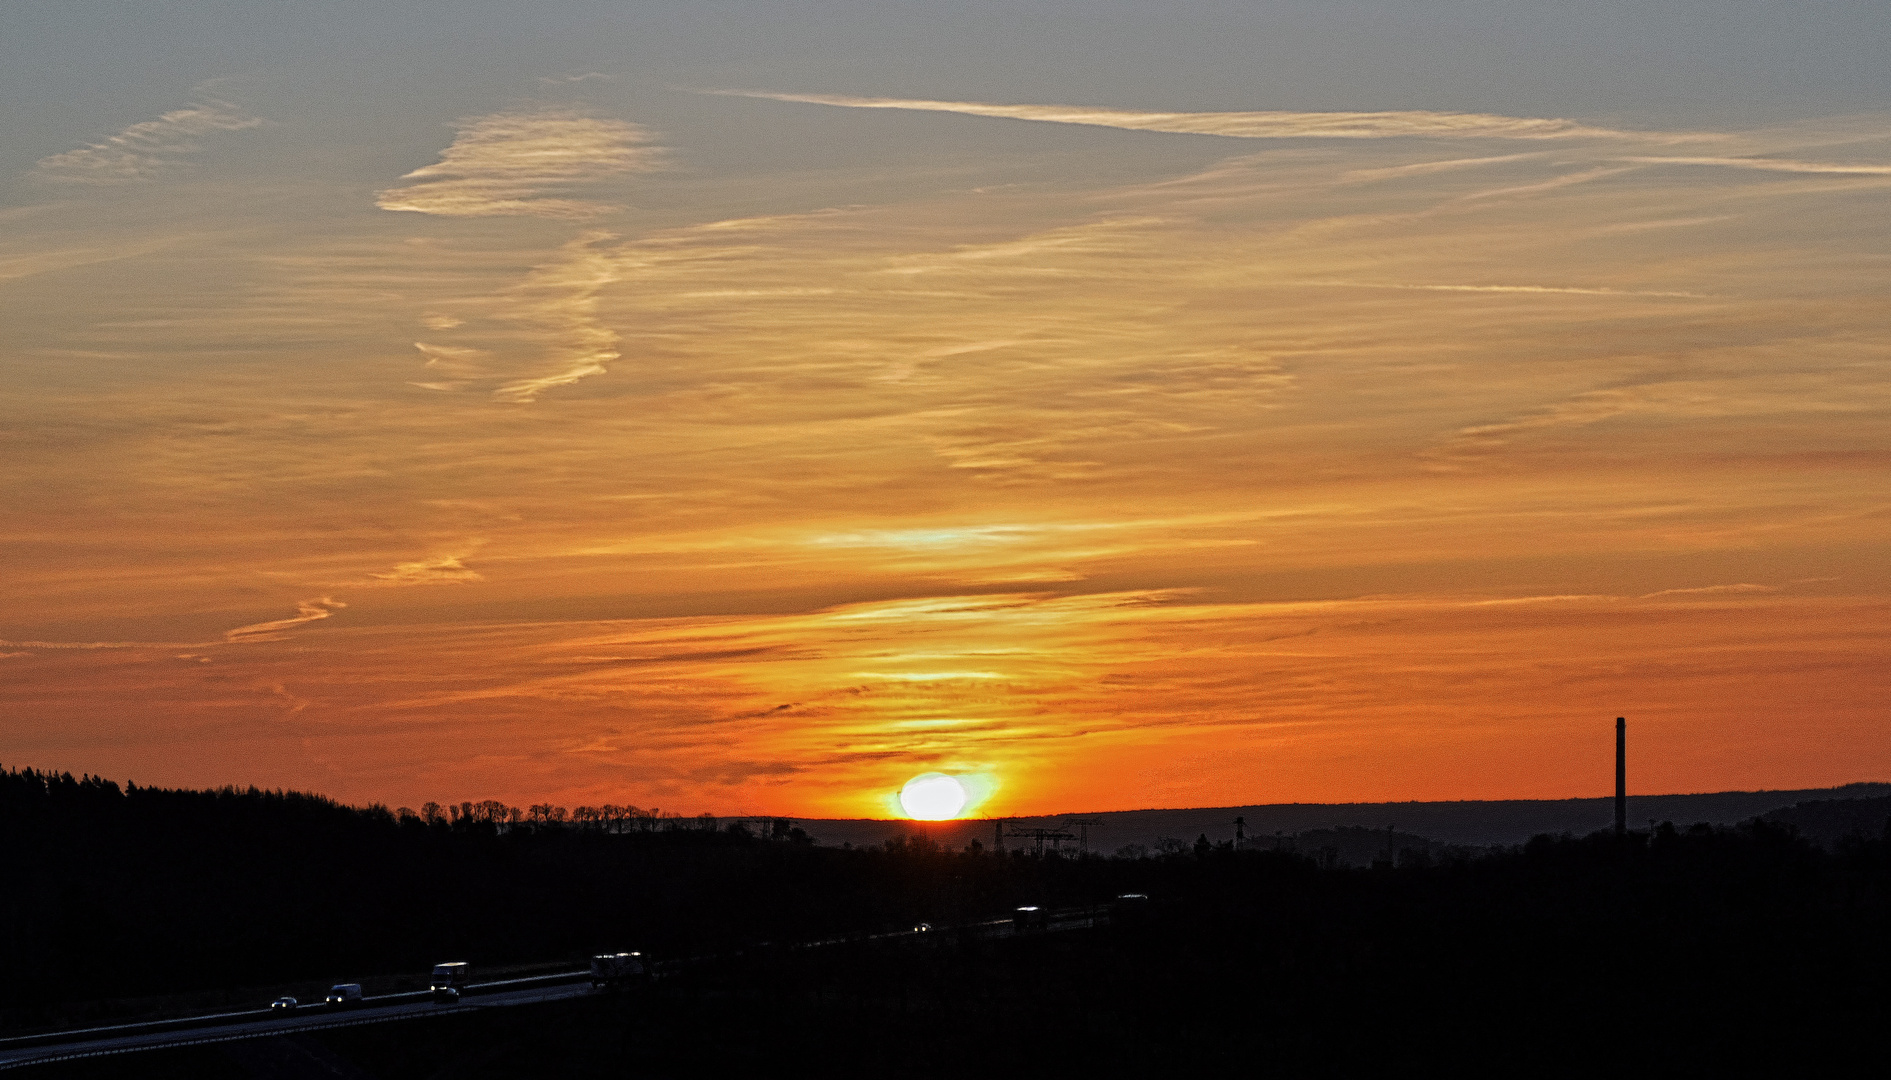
x,y
1621,776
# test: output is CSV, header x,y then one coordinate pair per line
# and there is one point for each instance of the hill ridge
x,y
1462,821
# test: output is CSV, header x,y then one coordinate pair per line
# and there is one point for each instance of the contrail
x,y
1252,125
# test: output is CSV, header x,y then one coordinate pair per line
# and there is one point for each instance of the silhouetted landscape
x,y
1473,823
879,424
1687,943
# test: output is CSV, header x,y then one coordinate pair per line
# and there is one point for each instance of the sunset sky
x,y
742,407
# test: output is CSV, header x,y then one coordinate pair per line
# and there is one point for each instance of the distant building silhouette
x,y
1621,776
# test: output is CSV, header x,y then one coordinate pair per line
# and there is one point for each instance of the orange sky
x,y
1113,458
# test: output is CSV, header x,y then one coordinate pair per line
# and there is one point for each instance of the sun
x,y
932,797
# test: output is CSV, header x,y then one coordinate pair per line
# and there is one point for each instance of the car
x,y
344,994
446,995
284,1004
921,928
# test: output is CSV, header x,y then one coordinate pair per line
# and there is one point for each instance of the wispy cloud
x,y
541,333
1572,290
1566,180
141,151
88,645
455,365
307,611
1428,168
1624,227
1771,165
1580,411
1253,125
559,302
524,163
13,267
1742,588
445,570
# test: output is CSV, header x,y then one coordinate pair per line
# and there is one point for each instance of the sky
x,y
744,407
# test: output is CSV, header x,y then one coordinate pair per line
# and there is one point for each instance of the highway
x,y
389,1008
265,1023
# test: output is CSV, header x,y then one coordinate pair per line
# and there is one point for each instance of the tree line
x,y
609,818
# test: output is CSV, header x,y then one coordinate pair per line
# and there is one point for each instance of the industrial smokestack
x,y
1621,776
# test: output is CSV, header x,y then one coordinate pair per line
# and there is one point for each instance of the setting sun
x,y
932,797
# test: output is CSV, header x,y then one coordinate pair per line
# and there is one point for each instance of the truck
x,y
613,970
344,995
448,979
1030,918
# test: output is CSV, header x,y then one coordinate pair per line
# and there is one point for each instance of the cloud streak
x,y
1822,168
143,150
307,611
1252,125
560,302
445,570
526,164
550,321
1571,290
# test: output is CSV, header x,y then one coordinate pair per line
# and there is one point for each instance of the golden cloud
x,y
522,163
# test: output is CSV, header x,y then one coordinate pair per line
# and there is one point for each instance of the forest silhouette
x,y
1689,943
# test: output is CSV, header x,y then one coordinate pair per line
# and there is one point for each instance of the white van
x,y
448,980
343,994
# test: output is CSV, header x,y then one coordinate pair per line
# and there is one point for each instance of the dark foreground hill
x,y
1700,942
1468,823
1705,951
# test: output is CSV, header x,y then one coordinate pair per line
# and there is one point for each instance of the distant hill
x,y
1466,822
1828,821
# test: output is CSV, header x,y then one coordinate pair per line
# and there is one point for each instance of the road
x,y
390,1008
263,1024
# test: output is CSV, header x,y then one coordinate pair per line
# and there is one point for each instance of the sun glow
x,y
932,797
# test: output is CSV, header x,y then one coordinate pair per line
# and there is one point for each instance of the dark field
x,y
1741,949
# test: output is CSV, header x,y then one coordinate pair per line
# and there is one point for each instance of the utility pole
x,y
1083,832
1038,837
1621,776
